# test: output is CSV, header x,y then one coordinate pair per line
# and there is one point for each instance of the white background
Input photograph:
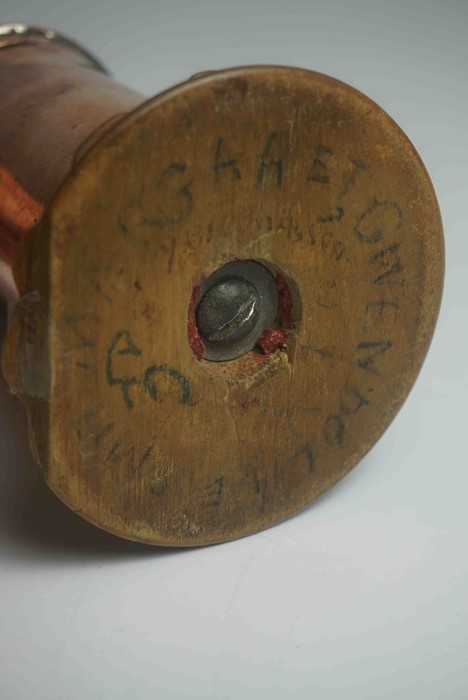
x,y
365,594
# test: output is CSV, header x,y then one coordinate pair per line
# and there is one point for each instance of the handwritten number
x,y
151,385
122,345
127,348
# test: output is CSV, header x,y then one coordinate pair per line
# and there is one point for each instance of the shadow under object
x,y
140,231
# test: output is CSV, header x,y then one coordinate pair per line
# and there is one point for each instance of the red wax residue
x,y
244,402
195,342
271,340
19,213
274,338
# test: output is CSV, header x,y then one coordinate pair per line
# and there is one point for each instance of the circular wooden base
x,y
284,166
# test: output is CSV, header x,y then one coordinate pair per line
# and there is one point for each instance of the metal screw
x,y
228,310
239,301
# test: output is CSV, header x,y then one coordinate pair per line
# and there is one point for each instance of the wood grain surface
x,y
279,165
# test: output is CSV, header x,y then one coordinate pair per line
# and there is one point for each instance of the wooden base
x,y
279,165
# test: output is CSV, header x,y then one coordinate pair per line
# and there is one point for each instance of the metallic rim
x,y
16,33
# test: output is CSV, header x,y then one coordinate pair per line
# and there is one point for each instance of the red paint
x,y
244,402
19,213
195,342
274,338
271,340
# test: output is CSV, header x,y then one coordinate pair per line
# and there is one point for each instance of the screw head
x,y
239,301
228,310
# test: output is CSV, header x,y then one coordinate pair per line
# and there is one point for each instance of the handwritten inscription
x,y
378,229
264,484
381,311
334,430
91,439
223,161
114,447
273,165
76,354
75,322
319,169
369,352
377,221
122,345
387,263
274,162
127,454
351,400
271,160
212,492
174,374
381,223
337,215
174,197
306,454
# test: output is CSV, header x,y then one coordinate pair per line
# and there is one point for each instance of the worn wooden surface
x,y
278,165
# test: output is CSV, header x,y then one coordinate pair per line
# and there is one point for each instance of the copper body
x,y
54,100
